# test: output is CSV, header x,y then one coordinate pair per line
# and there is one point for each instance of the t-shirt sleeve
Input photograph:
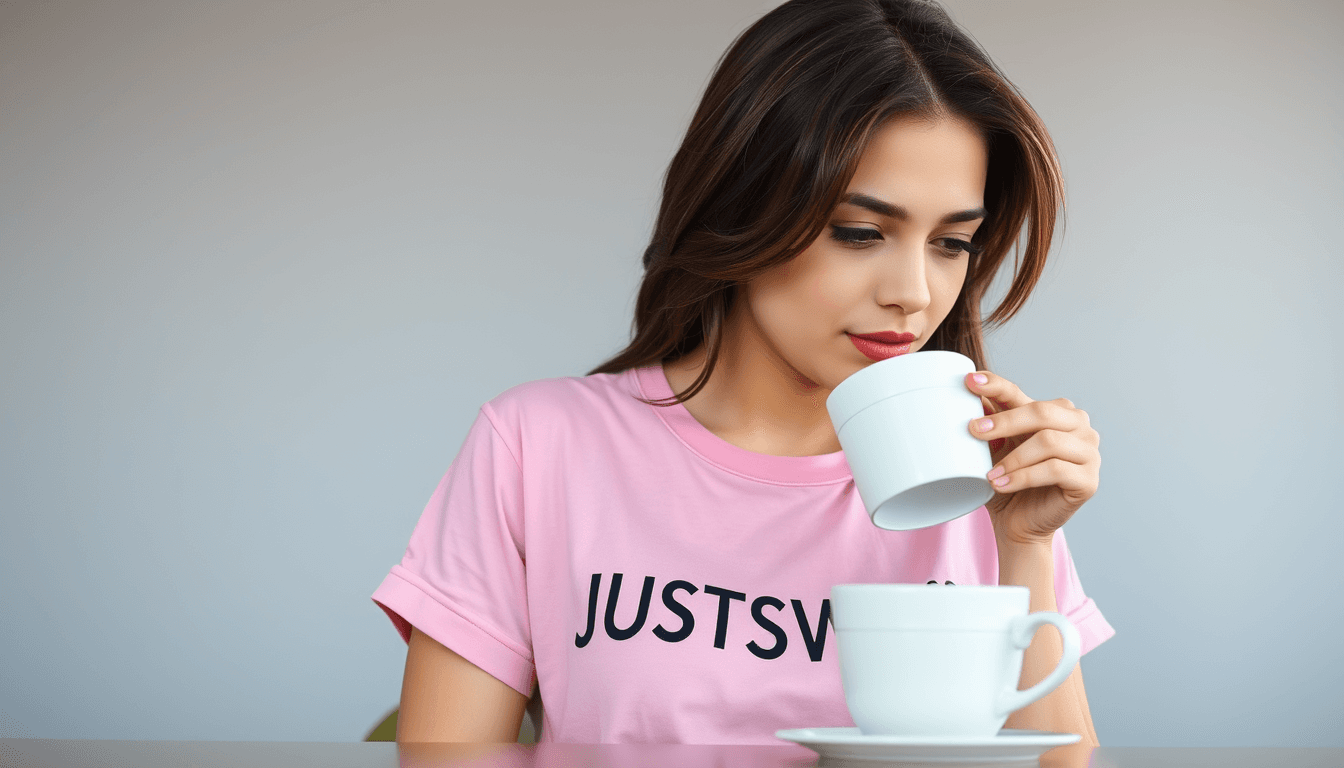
x,y
1076,606
461,580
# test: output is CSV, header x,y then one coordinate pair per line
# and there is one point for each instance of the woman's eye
x,y
860,237
854,235
957,247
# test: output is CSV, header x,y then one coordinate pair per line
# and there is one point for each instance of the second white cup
x,y
903,424
940,661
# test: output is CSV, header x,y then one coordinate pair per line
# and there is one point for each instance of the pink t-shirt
x,y
659,583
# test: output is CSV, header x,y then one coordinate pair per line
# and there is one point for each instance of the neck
x,y
754,399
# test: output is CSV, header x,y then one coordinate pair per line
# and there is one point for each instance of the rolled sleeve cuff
x,y
408,601
1093,629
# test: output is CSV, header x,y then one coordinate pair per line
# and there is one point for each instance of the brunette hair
x,y
777,138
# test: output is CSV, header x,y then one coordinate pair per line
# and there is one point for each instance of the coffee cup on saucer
x,y
939,661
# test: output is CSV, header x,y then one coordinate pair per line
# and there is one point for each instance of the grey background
x,y
260,263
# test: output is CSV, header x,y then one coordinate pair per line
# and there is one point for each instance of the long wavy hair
x,y
777,138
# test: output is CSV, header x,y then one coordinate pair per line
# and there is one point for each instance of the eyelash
x,y
851,236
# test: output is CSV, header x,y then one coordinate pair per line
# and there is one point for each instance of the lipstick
x,y
875,349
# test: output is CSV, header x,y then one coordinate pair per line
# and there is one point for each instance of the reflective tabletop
x,y
71,753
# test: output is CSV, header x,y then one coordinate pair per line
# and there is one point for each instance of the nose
x,y
902,279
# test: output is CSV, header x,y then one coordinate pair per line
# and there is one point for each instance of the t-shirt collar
x,y
651,383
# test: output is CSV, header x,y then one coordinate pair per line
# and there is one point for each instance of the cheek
x,y
949,286
828,292
830,287
806,298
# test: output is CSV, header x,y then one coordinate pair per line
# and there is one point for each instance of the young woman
x,y
648,549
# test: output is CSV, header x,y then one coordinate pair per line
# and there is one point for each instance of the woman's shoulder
x,y
565,397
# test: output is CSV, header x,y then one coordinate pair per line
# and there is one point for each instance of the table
x,y
76,753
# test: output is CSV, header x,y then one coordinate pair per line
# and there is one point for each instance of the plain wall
x,y
260,264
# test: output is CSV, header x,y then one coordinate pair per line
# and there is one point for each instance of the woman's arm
x,y
1063,710
444,697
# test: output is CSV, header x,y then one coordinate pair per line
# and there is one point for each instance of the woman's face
x,y
899,270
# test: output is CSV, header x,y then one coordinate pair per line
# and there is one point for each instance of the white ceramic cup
x,y
939,660
904,424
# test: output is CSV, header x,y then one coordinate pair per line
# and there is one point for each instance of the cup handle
x,y
1021,632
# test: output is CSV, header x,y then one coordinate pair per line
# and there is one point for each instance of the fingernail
x,y
993,473
980,378
984,424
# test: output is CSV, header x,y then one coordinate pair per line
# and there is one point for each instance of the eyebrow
x,y
890,210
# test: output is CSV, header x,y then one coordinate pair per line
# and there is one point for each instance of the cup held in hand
x,y
903,425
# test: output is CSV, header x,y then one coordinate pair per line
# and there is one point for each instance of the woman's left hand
x,y
1047,451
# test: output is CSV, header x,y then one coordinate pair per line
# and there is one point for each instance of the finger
x,y
1043,446
1076,480
1031,417
998,391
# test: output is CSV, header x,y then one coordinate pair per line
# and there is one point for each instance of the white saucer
x,y
1009,746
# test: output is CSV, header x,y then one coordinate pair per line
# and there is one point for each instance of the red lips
x,y
874,349
887,337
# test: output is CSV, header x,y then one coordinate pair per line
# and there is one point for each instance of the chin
x,y
834,375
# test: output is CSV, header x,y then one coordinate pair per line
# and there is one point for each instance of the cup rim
x,y
868,586
841,405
